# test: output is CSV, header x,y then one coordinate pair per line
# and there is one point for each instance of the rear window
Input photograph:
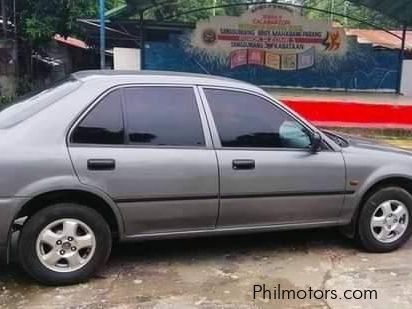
x,y
104,124
33,103
163,116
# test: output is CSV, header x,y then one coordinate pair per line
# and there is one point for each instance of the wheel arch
x,y
398,181
404,182
98,201
102,204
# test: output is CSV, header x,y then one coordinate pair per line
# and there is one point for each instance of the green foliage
x,y
5,101
349,9
176,8
39,20
25,85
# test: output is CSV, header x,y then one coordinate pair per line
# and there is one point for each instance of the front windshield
x,y
33,103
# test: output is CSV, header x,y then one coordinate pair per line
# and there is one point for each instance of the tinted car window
x,y
104,124
36,101
246,120
163,116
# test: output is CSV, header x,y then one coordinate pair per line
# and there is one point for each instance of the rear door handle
x,y
101,164
241,164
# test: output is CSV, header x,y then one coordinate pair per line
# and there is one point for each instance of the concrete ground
x,y
221,273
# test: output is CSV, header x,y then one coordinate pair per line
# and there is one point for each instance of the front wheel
x,y
385,222
64,244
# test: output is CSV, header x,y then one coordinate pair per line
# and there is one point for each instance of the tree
x,y
349,9
35,22
175,8
39,20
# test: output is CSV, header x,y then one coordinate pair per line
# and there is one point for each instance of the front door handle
x,y
242,164
101,164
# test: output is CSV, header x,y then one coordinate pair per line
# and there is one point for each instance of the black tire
x,y
365,235
36,223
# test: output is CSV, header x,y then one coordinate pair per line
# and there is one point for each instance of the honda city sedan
x,y
110,156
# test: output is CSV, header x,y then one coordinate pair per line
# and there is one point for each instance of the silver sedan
x,y
110,155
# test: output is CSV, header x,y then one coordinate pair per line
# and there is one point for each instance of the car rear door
x,y
267,174
149,149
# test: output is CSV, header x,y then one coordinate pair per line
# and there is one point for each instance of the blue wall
x,y
362,68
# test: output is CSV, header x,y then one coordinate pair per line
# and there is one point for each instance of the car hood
x,y
371,144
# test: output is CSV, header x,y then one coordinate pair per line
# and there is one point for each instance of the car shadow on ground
x,y
126,255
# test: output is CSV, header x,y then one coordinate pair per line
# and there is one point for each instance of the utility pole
x,y
332,8
102,34
346,5
401,58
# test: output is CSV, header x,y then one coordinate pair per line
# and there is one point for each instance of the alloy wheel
x,y
389,221
65,245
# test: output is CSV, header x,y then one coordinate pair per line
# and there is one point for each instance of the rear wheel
x,y
385,220
64,244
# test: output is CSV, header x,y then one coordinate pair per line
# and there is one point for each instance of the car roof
x,y
147,76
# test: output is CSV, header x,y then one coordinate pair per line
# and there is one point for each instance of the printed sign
x,y
238,58
272,60
274,36
255,56
306,59
289,62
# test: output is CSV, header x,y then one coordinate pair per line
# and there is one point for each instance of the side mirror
x,y
315,142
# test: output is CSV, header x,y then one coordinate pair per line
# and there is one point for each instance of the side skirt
x,y
234,230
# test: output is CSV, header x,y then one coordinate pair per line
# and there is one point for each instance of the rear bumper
x,y
9,208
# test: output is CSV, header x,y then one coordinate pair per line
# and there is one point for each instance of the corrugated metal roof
x,y
71,41
381,38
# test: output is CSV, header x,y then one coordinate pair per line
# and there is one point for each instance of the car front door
x,y
267,173
148,149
